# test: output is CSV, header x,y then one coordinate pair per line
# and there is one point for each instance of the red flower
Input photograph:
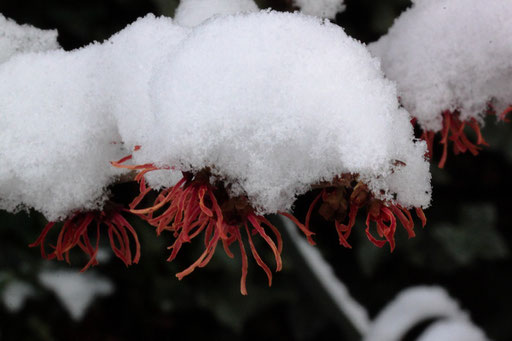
x,y
196,206
75,231
453,130
343,198
200,203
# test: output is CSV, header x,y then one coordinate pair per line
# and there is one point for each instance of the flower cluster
x,y
342,199
242,146
453,130
200,203
451,63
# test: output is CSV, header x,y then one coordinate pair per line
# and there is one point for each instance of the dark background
x,y
464,248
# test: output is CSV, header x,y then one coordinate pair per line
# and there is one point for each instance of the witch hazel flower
x,y
451,61
198,204
254,110
341,200
76,231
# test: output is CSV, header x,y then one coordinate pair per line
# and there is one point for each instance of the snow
x,y
453,330
15,293
272,102
76,291
191,13
137,48
16,39
275,102
62,113
410,307
57,136
448,55
321,8
129,59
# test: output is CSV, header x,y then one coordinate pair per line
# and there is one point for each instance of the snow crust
x,y
450,54
15,39
191,13
271,102
275,102
321,8
76,291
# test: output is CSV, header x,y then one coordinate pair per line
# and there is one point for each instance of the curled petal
x,y
257,257
302,227
245,265
75,233
421,215
405,218
254,221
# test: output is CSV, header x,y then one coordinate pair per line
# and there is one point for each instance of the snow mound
x,y
58,137
450,55
272,102
61,113
129,58
15,39
321,8
191,13
275,102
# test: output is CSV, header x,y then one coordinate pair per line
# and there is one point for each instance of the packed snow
x,y
450,55
76,291
321,8
271,102
191,13
15,39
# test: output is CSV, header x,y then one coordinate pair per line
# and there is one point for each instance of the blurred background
x,y
465,247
